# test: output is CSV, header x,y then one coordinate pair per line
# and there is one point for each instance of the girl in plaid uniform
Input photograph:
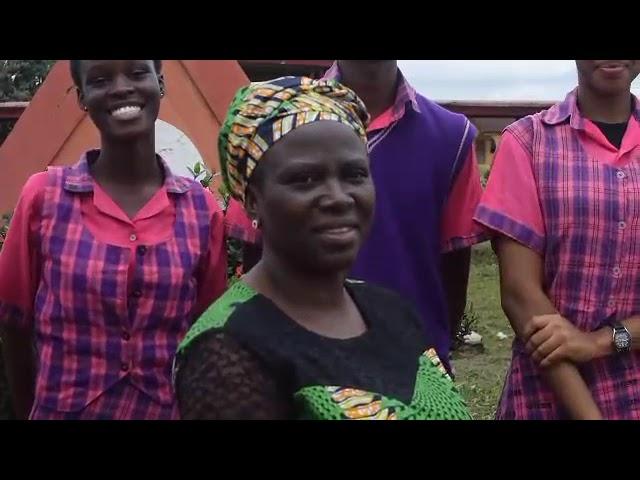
x,y
564,201
107,263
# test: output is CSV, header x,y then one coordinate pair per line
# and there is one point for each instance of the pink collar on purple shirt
x,y
405,94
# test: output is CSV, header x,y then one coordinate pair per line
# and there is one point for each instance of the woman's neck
x,y
609,109
299,288
132,163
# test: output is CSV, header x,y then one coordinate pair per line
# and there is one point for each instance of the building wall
x,y
489,133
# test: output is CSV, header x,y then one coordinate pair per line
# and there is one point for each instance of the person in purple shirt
x,y
427,186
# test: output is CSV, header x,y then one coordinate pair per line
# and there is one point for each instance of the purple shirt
x,y
418,159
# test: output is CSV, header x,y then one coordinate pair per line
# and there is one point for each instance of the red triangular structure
x,y
53,130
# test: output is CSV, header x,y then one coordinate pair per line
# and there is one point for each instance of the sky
x,y
493,79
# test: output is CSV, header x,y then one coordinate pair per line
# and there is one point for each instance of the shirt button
x,y
125,336
616,271
611,304
142,249
620,174
622,225
137,293
124,367
133,237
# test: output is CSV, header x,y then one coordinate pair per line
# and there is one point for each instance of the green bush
x,y
485,169
468,324
235,247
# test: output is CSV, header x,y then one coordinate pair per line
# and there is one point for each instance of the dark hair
x,y
76,64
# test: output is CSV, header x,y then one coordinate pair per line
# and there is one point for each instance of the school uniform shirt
x,y
107,297
560,188
428,186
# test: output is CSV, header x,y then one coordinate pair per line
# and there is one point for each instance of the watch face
x,y
622,340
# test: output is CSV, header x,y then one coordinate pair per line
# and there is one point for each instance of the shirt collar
x,y
568,109
405,93
79,178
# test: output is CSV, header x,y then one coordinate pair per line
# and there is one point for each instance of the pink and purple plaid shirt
x,y
560,188
109,297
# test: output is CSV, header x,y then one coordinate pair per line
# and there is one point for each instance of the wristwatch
x,y
621,338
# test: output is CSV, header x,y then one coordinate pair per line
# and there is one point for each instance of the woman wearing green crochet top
x,y
294,339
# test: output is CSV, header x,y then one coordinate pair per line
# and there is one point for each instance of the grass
x,y
480,374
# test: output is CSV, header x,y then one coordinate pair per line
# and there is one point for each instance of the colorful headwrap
x,y
262,113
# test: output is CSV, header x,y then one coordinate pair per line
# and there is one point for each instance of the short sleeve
x,y
19,257
510,204
458,228
238,224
